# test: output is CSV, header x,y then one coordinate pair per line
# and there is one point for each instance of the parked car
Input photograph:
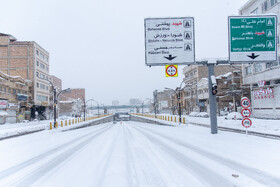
x,y
194,114
234,116
203,114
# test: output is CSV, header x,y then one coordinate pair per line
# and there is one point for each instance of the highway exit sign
x,y
252,38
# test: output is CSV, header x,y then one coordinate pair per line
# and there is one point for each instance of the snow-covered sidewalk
x,y
258,125
11,130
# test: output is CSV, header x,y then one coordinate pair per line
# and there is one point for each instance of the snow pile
x,y
9,130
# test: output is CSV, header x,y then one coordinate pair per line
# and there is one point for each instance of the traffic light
x,y
214,89
214,85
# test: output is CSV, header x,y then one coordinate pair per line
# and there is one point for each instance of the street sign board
x,y
246,122
171,71
252,38
246,113
245,102
169,41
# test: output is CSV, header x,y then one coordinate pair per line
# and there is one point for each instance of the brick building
x,y
30,61
195,83
74,98
14,98
57,82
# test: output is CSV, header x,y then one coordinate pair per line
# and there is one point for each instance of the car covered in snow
x,y
194,114
203,114
234,116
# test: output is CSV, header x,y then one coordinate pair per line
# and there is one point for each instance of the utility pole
x,y
212,86
179,104
54,106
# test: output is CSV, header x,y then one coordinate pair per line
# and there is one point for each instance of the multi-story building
x,y
73,94
14,98
263,78
165,101
30,61
57,82
74,97
135,102
195,91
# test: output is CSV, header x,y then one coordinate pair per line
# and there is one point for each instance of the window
x,y
47,68
47,88
42,98
42,76
18,91
271,64
9,90
14,91
42,86
37,74
0,88
273,2
37,85
4,89
42,66
248,70
37,52
258,67
42,55
264,6
37,62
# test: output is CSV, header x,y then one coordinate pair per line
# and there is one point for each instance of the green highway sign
x,y
252,38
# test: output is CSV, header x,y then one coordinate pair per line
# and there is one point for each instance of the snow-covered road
x,y
137,154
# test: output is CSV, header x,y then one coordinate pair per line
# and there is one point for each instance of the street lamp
x,y
86,105
56,98
54,101
97,107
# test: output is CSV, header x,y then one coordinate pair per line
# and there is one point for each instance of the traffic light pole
x,y
212,100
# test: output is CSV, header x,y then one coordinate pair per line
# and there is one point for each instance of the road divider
x,y
163,117
76,121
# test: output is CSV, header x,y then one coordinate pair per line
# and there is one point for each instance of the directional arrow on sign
x,y
170,57
253,56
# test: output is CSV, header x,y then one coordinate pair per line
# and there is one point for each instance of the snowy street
x,y
139,154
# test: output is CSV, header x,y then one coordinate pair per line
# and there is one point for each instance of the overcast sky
x,y
99,44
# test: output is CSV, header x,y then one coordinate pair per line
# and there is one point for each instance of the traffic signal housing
x,y
214,85
214,89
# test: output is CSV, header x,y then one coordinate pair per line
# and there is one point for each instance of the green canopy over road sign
x,y
252,38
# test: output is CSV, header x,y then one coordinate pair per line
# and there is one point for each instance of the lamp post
x,y
97,107
54,101
56,98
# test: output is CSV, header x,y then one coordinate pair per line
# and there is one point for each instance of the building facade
x,y
30,61
263,79
195,93
165,102
74,99
14,98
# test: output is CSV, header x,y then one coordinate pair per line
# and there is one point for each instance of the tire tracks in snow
x,y
253,173
29,176
144,170
200,171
